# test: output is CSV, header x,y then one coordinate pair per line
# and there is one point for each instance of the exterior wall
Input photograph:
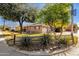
x,y
34,29
45,30
17,28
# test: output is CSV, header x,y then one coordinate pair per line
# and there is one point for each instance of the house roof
x,y
34,24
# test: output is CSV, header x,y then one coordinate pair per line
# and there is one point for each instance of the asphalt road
x,y
5,50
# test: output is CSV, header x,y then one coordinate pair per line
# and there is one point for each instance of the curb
x,y
43,53
33,53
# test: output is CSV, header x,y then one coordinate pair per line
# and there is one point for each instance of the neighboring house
x,y
75,28
35,28
6,28
12,29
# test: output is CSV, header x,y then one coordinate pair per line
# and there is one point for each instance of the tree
x,y
4,11
19,12
53,14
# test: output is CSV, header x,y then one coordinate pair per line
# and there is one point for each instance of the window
x,y
34,27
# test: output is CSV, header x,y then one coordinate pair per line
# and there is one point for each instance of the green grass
x,y
30,35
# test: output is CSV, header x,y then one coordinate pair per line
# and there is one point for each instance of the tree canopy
x,y
15,11
55,14
18,12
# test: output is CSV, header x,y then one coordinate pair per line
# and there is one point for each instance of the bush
x,y
62,41
66,40
69,40
75,40
26,41
46,39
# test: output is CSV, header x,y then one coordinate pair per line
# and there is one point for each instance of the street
x,y
5,50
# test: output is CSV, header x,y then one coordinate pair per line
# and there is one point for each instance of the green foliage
x,y
54,13
75,40
11,11
18,12
26,41
62,41
66,40
46,39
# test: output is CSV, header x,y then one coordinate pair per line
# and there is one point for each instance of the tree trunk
x,y
21,27
53,30
4,24
72,31
61,31
21,24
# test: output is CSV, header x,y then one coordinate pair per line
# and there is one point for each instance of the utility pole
x,y
73,13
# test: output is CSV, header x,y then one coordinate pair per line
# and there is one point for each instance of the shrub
x,y
66,40
69,40
62,41
46,39
75,40
26,41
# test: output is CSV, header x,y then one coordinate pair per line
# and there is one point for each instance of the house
x,y
6,28
75,27
35,28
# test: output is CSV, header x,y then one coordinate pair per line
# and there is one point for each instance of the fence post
x,y
14,38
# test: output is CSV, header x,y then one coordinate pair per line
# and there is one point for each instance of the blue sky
x,y
40,5
76,18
